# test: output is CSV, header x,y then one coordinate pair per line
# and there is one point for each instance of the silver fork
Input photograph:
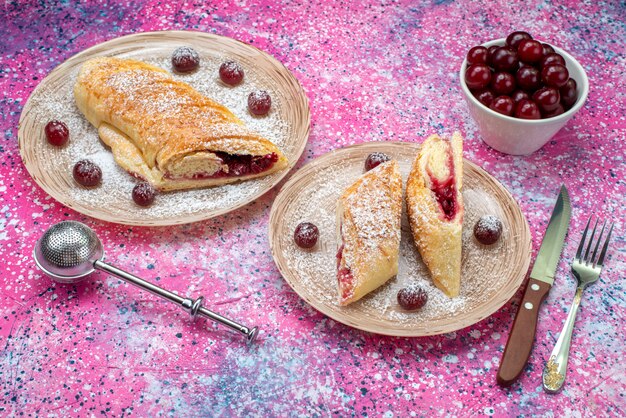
x,y
587,270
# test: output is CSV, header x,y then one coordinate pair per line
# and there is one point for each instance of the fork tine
x,y
595,250
582,240
590,242
605,246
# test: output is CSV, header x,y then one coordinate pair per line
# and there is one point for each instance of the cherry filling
x,y
344,276
445,191
339,255
240,165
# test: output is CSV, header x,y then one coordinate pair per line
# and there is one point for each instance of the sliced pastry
x,y
435,209
368,220
164,131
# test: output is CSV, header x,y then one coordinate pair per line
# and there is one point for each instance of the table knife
x,y
522,333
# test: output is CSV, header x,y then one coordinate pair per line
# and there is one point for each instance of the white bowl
x,y
522,136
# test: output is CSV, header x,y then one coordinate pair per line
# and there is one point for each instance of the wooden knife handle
x,y
522,333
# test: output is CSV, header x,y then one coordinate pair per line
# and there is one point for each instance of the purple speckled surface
x,y
372,71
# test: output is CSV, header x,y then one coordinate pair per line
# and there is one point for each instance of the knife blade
x,y
524,327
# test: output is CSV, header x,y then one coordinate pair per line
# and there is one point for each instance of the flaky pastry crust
x,y
368,220
161,129
438,237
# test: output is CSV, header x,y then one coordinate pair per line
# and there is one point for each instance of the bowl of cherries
x,y
521,91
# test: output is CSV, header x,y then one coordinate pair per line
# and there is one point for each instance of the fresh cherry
x,y
485,97
478,55
259,102
488,229
528,78
412,298
144,193
306,235
524,78
477,76
490,52
527,109
57,133
558,111
87,173
552,58
515,38
547,49
375,159
519,95
547,98
503,105
554,75
568,93
185,59
502,84
504,59
231,73
530,51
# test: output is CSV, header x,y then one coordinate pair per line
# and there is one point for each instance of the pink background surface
x,y
372,71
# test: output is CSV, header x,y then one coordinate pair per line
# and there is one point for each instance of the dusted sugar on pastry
x,y
435,209
162,130
368,222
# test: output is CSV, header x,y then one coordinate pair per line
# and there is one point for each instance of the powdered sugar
x,y
114,195
373,226
185,52
316,269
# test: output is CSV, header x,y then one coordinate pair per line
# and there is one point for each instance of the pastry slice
x,y
164,131
435,208
368,220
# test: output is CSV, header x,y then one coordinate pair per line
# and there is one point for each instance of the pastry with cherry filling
x,y
164,131
435,209
368,222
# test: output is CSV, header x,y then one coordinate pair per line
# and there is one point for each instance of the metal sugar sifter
x,y
69,251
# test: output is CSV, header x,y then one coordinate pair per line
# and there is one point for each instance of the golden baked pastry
x,y
368,220
435,208
164,131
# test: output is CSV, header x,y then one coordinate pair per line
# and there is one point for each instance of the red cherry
x,y
490,52
519,95
488,229
143,194
556,112
502,84
477,76
259,102
503,105
547,98
504,59
515,38
57,133
477,55
527,109
554,75
412,298
547,49
568,93
375,159
185,59
231,73
528,78
87,173
550,59
306,235
485,97
530,51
